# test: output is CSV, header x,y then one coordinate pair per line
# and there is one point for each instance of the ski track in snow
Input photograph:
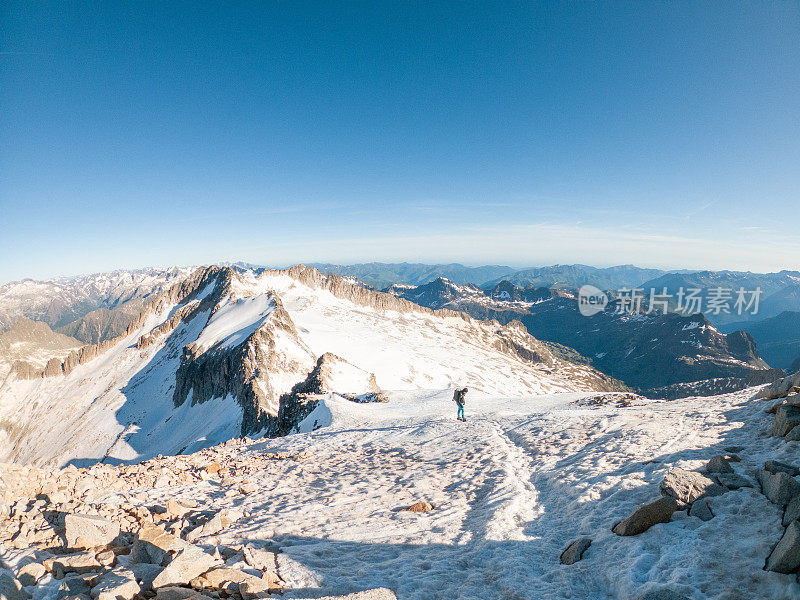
x,y
511,488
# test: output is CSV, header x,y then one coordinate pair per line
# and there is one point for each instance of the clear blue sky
x,y
157,133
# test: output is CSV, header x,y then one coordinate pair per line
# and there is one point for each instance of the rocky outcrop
x,y
325,377
243,371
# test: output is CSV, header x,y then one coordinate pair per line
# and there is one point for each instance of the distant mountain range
x,y
778,338
382,275
645,351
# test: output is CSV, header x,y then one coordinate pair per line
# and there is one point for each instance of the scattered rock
x,y
185,566
217,523
376,594
31,573
81,562
644,517
10,587
88,531
787,417
176,510
732,481
662,595
420,507
688,486
733,448
145,573
178,593
777,466
718,464
231,579
118,584
701,510
794,434
779,487
574,552
785,558
792,512
253,590
152,545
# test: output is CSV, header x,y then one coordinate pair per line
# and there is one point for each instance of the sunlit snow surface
x,y
511,487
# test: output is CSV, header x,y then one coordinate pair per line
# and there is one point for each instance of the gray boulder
x,y
662,595
776,466
376,594
701,510
732,481
185,566
152,545
688,486
644,517
118,584
779,487
10,587
785,558
787,417
217,523
718,464
792,512
794,434
88,531
575,550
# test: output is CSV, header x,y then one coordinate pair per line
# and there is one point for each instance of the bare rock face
x,y
780,388
231,579
687,486
325,377
785,558
574,551
776,466
87,531
243,370
644,517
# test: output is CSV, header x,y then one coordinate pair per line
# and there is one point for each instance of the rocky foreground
x,y
69,544
593,497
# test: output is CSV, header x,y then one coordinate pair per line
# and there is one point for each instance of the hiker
x,y
458,398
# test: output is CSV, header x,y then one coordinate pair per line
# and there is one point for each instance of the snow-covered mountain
x,y
227,352
643,350
59,302
33,344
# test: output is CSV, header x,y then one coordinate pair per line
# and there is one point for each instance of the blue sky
x,y
158,133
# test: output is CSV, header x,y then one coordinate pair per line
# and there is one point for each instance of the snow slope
x,y
265,331
511,488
